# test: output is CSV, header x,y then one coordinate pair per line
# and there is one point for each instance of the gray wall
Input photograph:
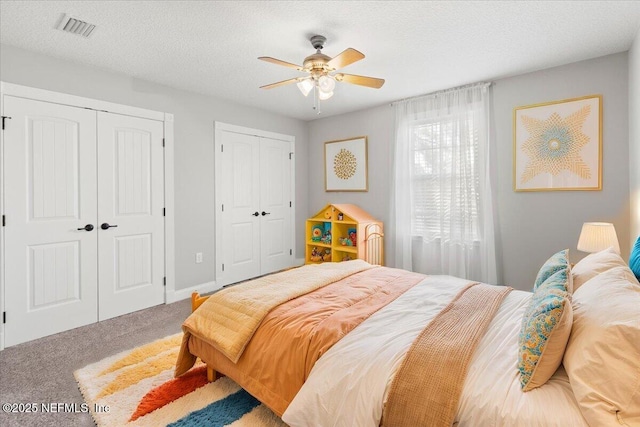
x,y
532,226
535,225
634,137
194,115
378,125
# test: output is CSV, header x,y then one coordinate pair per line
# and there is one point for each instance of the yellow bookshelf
x,y
340,232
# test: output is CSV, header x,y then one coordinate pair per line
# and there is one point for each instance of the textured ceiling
x,y
211,47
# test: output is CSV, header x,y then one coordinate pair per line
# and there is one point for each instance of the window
x,y
442,195
445,179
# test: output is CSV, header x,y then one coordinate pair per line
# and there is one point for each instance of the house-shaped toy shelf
x,y
341,232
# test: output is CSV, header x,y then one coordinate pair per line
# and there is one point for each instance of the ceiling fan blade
x,y
348,56
279,62
282,83
360,80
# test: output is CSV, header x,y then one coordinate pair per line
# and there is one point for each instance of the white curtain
x,y
442,206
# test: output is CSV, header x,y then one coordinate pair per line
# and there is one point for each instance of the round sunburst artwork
x,y
345,164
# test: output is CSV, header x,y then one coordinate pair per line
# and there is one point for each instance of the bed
x,y
332,344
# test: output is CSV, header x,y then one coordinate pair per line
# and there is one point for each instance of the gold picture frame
x,y
345,165
557,146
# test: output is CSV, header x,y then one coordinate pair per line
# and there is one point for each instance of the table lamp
x,y
597,236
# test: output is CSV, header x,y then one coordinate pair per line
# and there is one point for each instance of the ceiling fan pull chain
x,y
315,98
318,99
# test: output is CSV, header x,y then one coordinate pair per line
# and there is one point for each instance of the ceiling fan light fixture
x,y
305,86
323,96
326,83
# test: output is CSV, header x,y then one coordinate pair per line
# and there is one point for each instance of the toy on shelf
x,y
347,257
326,235
340,216
316,233
327,255
345,241
316,256
353,236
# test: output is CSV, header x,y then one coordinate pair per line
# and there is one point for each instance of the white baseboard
x,y
181,294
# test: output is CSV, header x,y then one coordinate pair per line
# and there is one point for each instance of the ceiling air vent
x,y
75,26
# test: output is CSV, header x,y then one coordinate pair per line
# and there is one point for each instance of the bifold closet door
x,y
130,214
51,232
84,234
256,220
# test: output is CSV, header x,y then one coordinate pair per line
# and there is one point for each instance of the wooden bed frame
x,y
196,301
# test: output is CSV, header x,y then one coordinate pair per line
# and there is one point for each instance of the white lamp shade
x,y
305,86
324,95
326,84
597,236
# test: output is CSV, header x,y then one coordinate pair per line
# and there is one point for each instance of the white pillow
x,y
594,264
602,357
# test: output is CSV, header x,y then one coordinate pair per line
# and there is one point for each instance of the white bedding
x,y
348,385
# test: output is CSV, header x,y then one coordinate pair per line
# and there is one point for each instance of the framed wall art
x,y
345,165
557,146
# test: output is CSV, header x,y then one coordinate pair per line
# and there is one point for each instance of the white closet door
x,y
240,175
50,195
275,208
130,214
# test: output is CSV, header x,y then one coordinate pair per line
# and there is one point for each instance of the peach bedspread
x,y
290,339
234,313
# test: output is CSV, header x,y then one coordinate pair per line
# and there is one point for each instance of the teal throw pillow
x,y
545,330
557,262
634,259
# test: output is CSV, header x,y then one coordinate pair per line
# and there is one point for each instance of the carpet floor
x,y
40,372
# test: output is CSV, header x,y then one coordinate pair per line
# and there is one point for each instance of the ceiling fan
x,y
320,68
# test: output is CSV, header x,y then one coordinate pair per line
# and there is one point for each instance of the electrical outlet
x,y
198,257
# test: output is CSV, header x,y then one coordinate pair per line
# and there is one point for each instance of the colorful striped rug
x,y
137,388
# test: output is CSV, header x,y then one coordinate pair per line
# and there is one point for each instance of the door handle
x,y
87,227
255,214
106,226
265,213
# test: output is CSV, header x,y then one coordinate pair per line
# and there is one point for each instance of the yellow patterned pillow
x,y
546,326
